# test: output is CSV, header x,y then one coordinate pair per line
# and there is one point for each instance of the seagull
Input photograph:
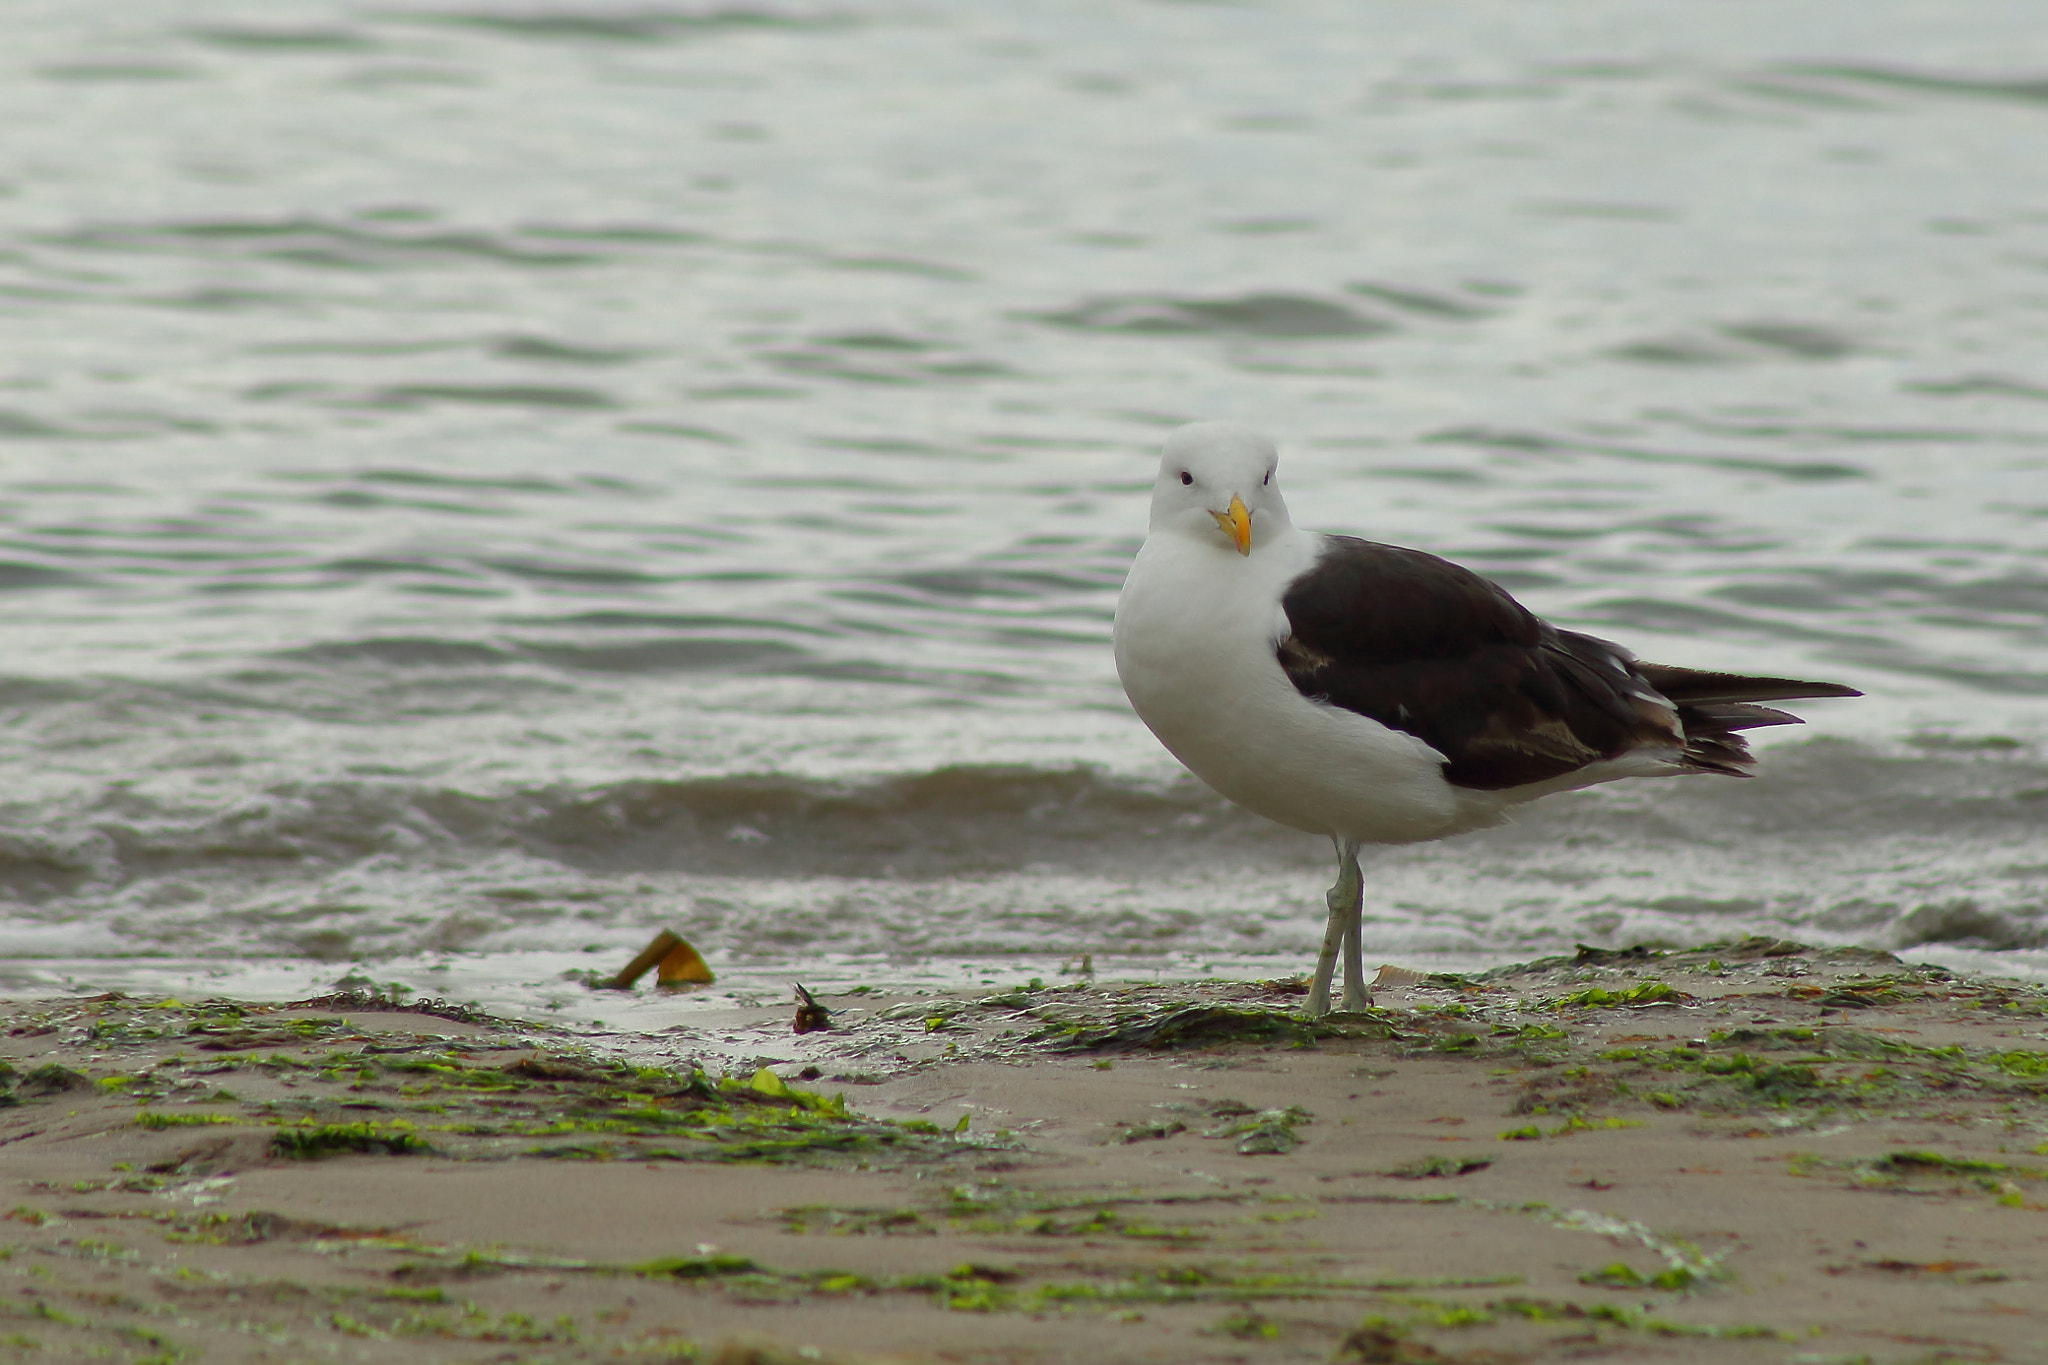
x,y
1377,695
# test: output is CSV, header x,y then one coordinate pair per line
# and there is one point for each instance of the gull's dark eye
x,y
1186,477
1268,479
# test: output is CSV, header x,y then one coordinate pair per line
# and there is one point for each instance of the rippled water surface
x,y
482,480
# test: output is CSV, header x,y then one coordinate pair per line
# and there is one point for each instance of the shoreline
x,y
1748,1151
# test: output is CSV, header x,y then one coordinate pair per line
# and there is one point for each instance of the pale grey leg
x,y
1341,933
1356,994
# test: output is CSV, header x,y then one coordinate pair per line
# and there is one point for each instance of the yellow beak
x,y
1237,524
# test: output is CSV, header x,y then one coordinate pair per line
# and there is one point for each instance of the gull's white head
x,y
1216,484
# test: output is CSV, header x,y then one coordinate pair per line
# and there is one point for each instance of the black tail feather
x,y
1736,715
1713,708
1699,687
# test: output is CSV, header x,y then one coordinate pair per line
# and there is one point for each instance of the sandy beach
x,y
1748,1151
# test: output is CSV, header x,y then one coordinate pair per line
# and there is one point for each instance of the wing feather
x,y
1424,646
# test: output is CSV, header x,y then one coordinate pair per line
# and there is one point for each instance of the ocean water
x,y
482,480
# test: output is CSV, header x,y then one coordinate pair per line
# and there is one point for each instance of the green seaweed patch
x,y
2027,1002
1153,1130
1580,1123
1738,1069
128,1183
695,1267
51,1078
856,1222
970,1288
766,1085
992,1209
760,1119
1901,1170
257,1225
114,1032
1099,1222
2023,1062
1866,994
1621,1275
1439,1168
439,1072
1177,1284
1913,1163
156,1119
1245,1326
473,1324
1265,1132
1188,1026
1766,1040
1531,1033
316,1142
974,1287
1436,1314
237,1035
1600,998
1574,1123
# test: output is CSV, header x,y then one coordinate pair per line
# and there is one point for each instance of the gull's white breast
x,y
1197,628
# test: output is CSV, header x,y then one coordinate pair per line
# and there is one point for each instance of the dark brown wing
x,y
1424,646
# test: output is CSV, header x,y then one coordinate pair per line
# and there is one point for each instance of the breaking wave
x,y
1834,841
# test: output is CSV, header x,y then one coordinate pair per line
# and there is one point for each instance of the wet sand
x,y
1743,1152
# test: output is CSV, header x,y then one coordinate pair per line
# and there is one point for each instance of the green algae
x,y
1863,995
474,1107
1468,1315
1908,1172
1438,1167
1910,1163
1188,1026
976,1287
320,1141
1621,1275
695,1267
153,1119
856,1222
1597,997
2022,1062
1267,1132
1830,1068
1102,1222
51,1078
439,1072
1531,1033
761,1119
1245,1326
1152,1130
991,1208
1580,1123
973,1288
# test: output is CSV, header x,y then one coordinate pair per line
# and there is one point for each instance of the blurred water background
x,y
481,480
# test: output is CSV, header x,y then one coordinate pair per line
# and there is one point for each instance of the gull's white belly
x,y
1196,634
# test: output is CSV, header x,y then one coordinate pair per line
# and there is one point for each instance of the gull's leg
x,y
1344,900
1356,995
